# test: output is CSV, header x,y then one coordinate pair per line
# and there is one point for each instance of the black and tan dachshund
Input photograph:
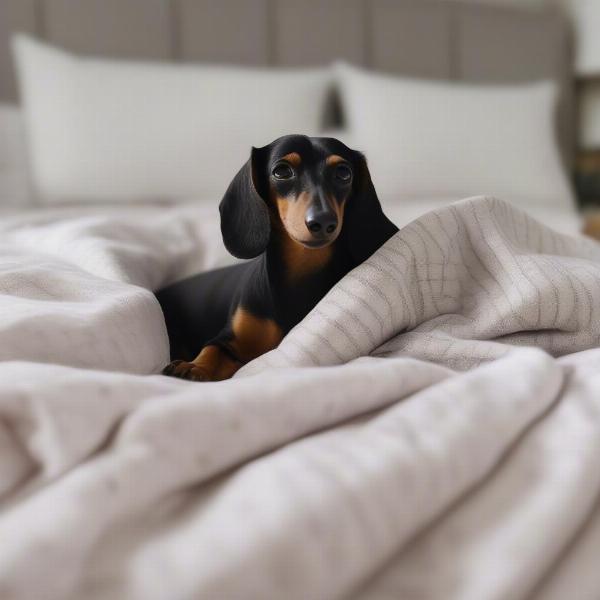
x,y
305,210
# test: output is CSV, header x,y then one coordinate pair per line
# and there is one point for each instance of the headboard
x,y
438,39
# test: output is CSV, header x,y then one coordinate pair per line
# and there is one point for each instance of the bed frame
x,y
439,39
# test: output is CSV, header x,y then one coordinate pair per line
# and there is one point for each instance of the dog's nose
x,y
321,221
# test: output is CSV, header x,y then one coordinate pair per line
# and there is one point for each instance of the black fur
x,y
245,223
198,310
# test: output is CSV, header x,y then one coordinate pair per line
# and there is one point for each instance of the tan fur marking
x,y
215,364
302,261
293,158
253,335
333,159
293,215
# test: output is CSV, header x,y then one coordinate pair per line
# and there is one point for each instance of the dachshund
x,y
305,210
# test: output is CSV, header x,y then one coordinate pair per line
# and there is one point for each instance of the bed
x,y
430,430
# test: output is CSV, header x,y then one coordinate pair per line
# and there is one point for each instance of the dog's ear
x,y
245,223
366,228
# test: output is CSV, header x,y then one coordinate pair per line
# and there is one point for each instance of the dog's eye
x,y
343,173
282,171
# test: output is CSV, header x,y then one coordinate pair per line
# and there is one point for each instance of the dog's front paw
x,y
185,370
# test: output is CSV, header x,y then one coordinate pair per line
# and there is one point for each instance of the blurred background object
x,y
585,15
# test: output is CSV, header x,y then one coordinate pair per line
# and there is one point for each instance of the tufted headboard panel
x,y
439,39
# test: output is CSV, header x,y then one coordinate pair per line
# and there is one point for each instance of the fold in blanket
x,y
430,430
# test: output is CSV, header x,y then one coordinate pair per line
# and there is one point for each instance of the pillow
x,y
441,139
118,130
14,174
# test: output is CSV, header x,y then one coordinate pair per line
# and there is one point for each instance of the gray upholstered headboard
x,y
439,39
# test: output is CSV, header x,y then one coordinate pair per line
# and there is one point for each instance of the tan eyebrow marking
x,y
333,159
293,158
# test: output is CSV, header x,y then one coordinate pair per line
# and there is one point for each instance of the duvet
x,y
430,430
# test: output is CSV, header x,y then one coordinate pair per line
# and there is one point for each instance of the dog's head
x,y
312,190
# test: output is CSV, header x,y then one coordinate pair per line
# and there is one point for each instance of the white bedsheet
x,y
431,430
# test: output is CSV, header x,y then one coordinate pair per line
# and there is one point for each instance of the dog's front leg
x,y
246,337
213,363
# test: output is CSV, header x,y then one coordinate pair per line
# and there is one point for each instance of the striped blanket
x,y
431,430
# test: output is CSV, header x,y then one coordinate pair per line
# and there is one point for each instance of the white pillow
x,y
14,175
117,130
441,139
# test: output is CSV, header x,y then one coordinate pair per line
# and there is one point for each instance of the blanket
x,y
430,430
